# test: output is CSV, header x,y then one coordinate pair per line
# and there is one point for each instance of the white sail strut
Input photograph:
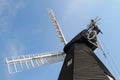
x,y
57,27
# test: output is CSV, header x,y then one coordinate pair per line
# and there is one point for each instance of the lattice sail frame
x,y
21,63
57,27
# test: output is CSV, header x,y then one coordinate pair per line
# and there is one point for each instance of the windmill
x,y
86,39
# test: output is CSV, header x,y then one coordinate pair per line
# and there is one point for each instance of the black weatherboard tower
x,y
80,61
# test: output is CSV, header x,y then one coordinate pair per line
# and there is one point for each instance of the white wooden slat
x,y
14,65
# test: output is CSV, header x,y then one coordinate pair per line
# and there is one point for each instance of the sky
x,y
26,28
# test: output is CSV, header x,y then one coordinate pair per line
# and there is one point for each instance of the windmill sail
x,y
57,27
21,63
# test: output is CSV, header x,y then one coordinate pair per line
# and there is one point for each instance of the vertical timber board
x,y
85,65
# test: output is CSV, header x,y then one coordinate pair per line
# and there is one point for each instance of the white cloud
x,y
8,9
11,6
2,6
3,25
14,47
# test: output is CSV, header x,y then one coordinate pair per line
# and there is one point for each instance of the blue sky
x,y
26,28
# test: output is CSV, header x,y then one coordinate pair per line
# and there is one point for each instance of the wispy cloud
x,y
11,6
14,47
8,9
3,25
